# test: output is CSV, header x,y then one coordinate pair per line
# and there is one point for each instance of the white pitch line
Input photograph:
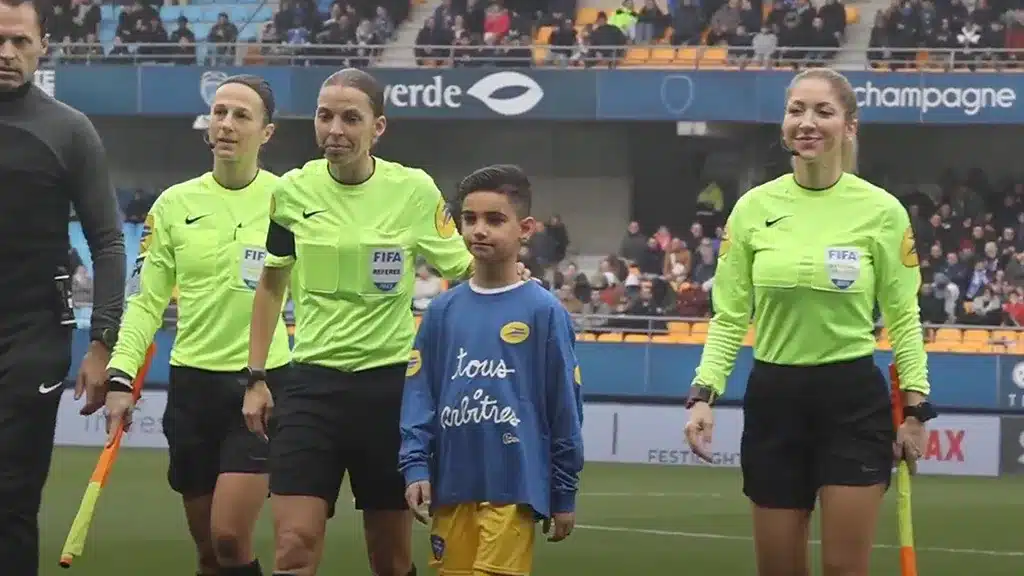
x,y
708,536
651,494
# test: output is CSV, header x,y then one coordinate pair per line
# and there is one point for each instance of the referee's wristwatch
x,y
701,393
106,337
253,376
922,411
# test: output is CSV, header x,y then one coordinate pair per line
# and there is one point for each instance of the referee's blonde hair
x,y
847,99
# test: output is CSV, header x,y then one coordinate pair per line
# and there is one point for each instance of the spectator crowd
x,y
949,33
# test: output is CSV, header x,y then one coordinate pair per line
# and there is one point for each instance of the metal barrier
x,y
538,55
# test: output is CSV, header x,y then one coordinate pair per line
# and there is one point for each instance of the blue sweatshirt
x,y
492,410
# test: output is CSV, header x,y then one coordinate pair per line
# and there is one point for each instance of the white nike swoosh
x,y
44,389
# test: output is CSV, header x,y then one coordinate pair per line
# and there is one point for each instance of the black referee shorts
x,y
206,433
34,363
331,422
805,427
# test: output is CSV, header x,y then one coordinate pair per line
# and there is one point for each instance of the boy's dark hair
x,y
42,8
506,179
362,81
259,86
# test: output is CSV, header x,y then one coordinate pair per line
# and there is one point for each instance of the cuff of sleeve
x,y
416,473
121,364
919,387
273,261
563,502
718,387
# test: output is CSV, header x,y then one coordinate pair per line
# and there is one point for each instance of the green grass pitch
x,y
633,520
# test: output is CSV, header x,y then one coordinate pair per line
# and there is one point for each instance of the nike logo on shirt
x,y
194,219
44,389
311,214
770,223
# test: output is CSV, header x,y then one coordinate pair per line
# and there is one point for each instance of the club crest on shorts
x,y
515,332
386,268
437,546
843,266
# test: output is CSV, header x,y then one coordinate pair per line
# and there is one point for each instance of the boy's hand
x,y
417,495
564,523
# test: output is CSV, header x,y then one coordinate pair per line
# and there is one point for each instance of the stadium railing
x,y
664,330
537,55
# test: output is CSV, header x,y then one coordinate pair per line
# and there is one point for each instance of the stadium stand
x,y
212,32
656,289
947,35
713,35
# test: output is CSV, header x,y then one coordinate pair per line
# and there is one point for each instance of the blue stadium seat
x,y
108,12
193,12
170,13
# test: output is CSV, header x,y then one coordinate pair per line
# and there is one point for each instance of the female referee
x,y
207,236
351,226
812,251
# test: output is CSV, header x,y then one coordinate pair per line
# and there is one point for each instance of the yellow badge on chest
x,y
723,248
147,234
415,363
908,249
515,332
443,220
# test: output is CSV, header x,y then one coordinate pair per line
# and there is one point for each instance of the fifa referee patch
x,y
147,234
415,363
908,249
443,221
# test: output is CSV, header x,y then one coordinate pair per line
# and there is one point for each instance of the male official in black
x,y
50,159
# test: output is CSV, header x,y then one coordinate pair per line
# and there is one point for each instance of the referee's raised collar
x,y
16,94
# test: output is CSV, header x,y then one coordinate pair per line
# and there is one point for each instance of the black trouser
x,y
34,361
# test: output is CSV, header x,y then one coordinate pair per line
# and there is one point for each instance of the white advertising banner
x,y
73,429
957,445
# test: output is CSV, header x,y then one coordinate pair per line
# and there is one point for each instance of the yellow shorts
x,y
478,539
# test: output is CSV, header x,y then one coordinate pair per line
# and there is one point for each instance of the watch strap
x,y
701,393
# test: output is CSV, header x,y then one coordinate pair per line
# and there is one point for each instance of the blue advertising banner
x,y
962,380
1011,383
544,94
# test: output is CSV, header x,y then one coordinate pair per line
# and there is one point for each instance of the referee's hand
x,y
256,408
119,408
699,429
92,378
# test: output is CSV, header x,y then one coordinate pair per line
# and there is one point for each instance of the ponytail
x,y
849,155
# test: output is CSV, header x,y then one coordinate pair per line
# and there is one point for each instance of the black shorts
x,y
206,433
34,362
331,422
805,427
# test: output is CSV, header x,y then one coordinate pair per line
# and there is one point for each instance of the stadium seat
x,y
690,338
977,336
614,337
543,34
699,328
587,337
586,16
679,327
947,335
663,339
636,338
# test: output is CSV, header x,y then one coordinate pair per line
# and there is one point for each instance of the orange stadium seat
x,y
977,336
586,16
587,337
677,327
948,335
699,328
662,339
543,34
614,337
636,338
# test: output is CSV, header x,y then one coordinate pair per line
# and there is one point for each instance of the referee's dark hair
x,y
259,86
506,179
42,8
362,81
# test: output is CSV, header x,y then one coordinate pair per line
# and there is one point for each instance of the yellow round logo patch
x,y
908,249
515,332
576,376
723,248
415,363
443,220
147,234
